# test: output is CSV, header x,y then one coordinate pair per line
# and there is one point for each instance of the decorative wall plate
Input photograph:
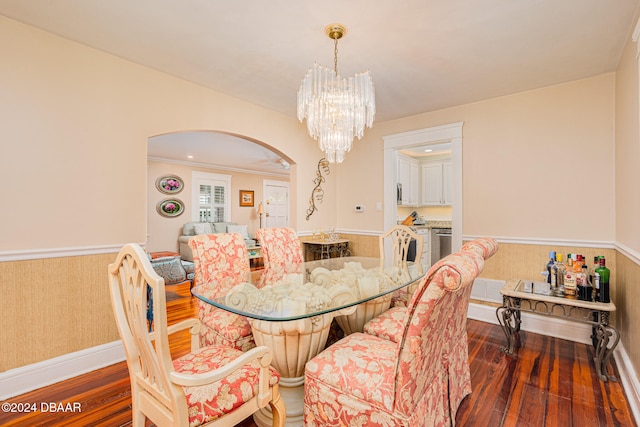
x,y
170,207
169,184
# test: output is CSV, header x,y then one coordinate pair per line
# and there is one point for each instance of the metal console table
x,y
326,248
519,296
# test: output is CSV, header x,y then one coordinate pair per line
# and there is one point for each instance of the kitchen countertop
x,y
435,224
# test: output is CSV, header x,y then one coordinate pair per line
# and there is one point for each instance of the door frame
x,y
434,135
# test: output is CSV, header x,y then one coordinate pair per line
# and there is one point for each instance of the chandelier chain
x,y
335,55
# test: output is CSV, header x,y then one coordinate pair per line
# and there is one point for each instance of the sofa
x,y
193,228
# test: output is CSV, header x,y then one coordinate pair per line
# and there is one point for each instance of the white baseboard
x,y
571,331
629,380
538,324
31,377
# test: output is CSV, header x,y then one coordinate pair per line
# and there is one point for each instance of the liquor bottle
x,y
557,276
580,277
595,279
604,273
586,285
552,260
570,284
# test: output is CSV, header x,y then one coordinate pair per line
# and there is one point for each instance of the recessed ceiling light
x,y
189,156
428,150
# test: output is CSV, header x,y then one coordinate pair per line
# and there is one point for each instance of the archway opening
x,y
242,163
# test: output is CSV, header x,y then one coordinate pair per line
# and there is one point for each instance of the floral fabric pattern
x,y
220,262
389,325
484,246
458,354
281,253
404,375
211,401
400,298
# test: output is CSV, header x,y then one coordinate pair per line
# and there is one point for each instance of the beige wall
x,y
75,129
627,201
627,149
163,232
531,161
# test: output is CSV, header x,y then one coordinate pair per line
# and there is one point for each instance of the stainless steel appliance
x,y
440,243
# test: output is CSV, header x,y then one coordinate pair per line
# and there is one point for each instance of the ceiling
x,y
423,55
219,150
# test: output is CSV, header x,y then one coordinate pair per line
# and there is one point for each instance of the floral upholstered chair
x,y
221,261
368,380
390,325
399,238
212,386
281,253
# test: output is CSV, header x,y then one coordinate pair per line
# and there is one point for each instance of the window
x,y
211,197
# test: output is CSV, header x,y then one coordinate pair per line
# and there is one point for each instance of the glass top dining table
x,y
320,287
293,314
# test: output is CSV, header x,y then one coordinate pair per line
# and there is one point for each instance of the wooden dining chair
x,y
368,380
399,238
281,252
210,386
221,261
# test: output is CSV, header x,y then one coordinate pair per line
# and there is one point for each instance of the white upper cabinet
x,y
409,177
437,189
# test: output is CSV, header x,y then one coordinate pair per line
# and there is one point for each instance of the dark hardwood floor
x,y
549,382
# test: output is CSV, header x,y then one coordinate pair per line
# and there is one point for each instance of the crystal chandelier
x,y
336,109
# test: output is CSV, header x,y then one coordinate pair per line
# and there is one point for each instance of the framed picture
x,y
170,207
169,184
246,198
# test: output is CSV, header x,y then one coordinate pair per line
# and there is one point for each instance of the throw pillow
x,y
240,229
221,227
202,228
170,269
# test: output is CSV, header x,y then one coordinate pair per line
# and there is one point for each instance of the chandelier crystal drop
x,y
337,109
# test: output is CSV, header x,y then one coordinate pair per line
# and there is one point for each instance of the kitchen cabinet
x,y
409,176
425,257
437,188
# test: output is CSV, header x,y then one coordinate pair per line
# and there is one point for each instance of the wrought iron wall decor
x,y
317,193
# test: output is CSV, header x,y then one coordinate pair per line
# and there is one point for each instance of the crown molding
x,y
220,167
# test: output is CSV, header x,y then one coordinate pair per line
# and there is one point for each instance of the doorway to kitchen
x,y
450,133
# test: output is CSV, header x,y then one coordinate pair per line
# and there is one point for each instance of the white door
x,y
276,204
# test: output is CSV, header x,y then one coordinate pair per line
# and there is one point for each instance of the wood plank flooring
x,y
549,382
